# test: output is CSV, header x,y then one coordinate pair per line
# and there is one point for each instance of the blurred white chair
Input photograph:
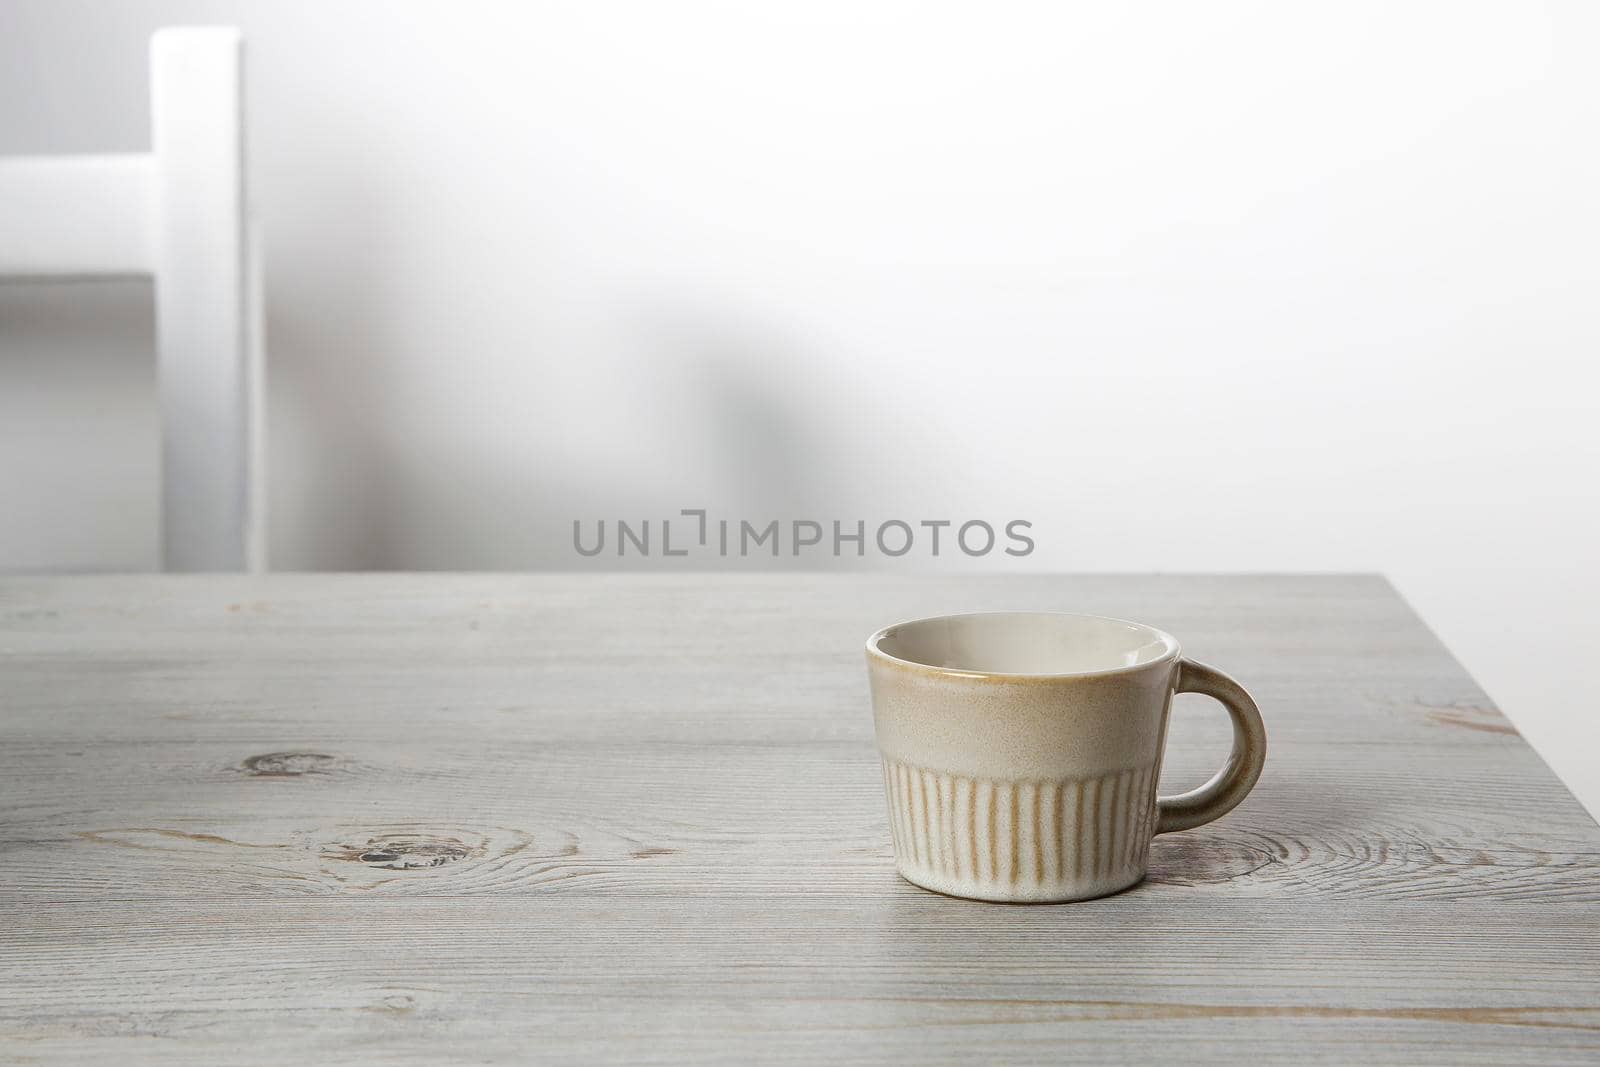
x,y
179,215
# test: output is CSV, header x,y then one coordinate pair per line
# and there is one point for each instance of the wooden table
x,y
444,818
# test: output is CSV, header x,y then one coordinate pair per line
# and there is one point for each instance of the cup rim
x,y
1173,650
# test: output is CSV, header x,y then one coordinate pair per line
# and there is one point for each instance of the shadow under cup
x,y
1021,751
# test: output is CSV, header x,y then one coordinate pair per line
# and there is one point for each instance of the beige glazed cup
x,y
1021,751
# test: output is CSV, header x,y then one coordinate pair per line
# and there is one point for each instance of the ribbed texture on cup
x,y
996,839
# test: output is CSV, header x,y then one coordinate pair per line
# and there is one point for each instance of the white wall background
x,y
1193,286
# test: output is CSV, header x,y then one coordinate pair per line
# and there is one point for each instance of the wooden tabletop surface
x,y
481,818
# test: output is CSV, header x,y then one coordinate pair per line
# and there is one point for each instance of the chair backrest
x,y
179,215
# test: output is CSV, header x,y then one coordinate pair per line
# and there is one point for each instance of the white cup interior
x,y
1024,642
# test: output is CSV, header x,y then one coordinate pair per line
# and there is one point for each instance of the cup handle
x,y
1236,778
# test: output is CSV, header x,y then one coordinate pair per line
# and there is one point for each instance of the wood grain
x,y
407,819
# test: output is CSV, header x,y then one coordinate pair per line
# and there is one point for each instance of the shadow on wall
x,y
330,470
702,415
734,384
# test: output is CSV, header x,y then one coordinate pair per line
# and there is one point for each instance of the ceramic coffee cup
x,y
1021,751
